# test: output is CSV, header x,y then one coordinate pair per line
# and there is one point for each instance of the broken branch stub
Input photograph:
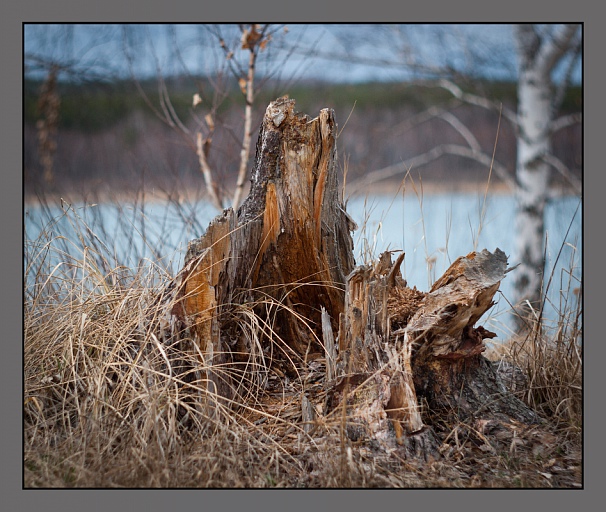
x,y
443,324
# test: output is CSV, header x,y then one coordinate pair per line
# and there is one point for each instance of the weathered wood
x,y
287,249
399,345
377,365
330,349
443,325
449,371
271,283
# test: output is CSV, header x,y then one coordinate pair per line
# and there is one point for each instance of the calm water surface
x,y
433,233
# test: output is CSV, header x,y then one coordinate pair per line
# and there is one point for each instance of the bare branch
x,y
163,106
559,166
441,113
168,109
165,103
551,53
453,121
430,156
234,65
247,136
476,100
564,122
251,40
170,117
404,58
420,118
129,60
207,173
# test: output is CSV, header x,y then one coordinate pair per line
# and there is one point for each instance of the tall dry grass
x,y
548,355
109,404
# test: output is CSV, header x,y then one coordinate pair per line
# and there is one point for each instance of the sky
x,y
335,53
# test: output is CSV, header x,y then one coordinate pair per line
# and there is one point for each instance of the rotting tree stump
x,y
267,288
282,258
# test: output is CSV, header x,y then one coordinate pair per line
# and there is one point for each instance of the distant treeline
x,y
107,131
94,106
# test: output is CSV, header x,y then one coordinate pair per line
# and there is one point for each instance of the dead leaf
x,y
264,42
242,84
250,38
197,99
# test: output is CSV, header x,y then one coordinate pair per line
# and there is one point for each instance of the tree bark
x,y
537,56
282,257
267,287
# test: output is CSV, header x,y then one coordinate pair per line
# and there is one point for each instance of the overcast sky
x,y
336,53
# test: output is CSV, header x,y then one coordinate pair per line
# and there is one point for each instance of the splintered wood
x,y
282,257
444,322
266,289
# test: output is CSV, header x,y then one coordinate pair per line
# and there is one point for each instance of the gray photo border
x,y
15,12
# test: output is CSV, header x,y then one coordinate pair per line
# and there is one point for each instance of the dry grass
x,y
106,404
546,364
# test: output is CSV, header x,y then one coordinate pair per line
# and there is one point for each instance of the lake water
x,y
433,233
445,226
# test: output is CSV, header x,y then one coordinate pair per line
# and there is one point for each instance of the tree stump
x,y
449,371
283,257
377,385
267,287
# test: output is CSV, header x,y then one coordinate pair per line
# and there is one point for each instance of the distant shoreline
x,y
383,188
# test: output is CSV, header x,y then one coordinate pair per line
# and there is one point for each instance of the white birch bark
x,y
538,54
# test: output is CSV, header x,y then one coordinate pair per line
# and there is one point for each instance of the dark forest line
x,y
108,136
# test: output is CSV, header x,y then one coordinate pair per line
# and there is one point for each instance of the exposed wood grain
x,y
286,258
289,245
329,346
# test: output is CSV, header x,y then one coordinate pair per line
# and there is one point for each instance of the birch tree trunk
x,y
538,55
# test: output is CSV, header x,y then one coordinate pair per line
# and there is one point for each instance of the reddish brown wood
x,y
273,282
